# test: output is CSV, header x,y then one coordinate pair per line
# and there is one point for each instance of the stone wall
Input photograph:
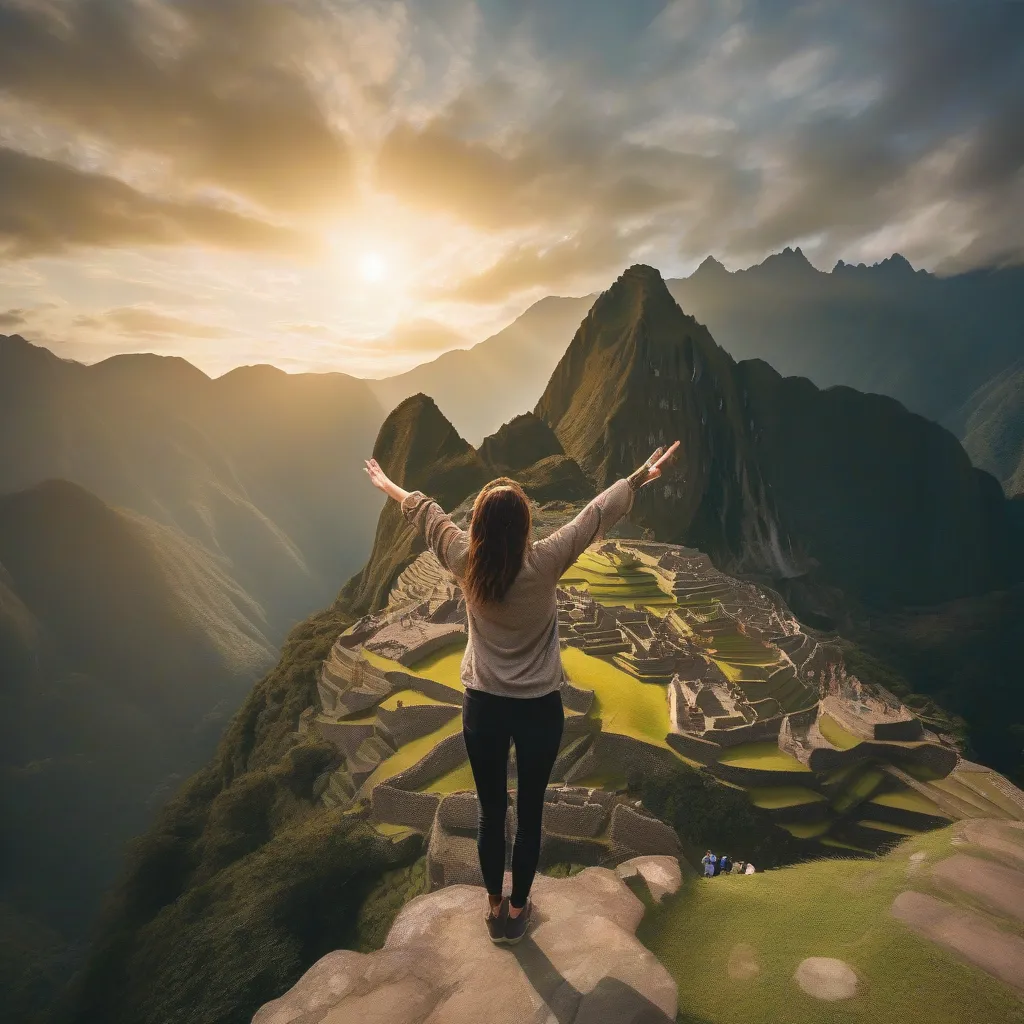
x,y
411,721
446,756
575,820
576,699
639,832
756,732
399,680
763,776
441,635
402,807
694,747
458,812
346,736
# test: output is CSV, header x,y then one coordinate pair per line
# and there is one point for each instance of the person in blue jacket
x,y
709,860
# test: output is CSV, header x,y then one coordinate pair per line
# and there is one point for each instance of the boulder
x,y
581,963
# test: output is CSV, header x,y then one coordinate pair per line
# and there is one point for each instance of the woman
x,y
512,668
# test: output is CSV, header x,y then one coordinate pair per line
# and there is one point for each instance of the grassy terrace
x,y
908,800
828,908
984,784
859,787
765,756
613,583
410,753
807,829
624,705
836,734
777,797
407,698
442,666
458,779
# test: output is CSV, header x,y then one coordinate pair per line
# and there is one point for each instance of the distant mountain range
x,y
261,467
481,387
774,477
125,648
928,341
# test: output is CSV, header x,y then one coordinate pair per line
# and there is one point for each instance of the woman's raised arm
x,y
442,536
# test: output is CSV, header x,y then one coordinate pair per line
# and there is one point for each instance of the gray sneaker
x,y
496,922
515,927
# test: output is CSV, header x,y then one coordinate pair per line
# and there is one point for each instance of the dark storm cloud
x,y
947,124
47,207
215,87
833,123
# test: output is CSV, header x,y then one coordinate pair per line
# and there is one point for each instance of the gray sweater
x,y
513,644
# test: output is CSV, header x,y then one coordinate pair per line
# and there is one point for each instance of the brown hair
x,y
498,534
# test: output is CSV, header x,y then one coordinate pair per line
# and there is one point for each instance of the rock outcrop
x,y
581,962
421,451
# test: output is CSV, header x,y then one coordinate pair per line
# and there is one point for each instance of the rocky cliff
x,y
774,475
421,451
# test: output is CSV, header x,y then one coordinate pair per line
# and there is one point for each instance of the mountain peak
x,y
788,261
520,443
897,263
418,447
709,269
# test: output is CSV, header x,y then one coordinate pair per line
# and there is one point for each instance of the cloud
x,y
47,207
407,338
527,266
147,321
12,318
219,89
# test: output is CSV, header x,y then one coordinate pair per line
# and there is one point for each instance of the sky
x,y
330,185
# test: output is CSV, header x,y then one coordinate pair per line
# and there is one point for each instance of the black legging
x,y
489,724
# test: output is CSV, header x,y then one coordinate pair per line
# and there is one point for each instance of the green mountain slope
x,y
259,466
773,476
245,878
124,647
993,428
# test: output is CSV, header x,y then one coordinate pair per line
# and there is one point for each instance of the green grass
x,y
386,828
885,826
610,582
774,797
765,756
410,753
608,778
457,779
836,734
624,705
862,786
984,783
408,698
806,829
908,800
442,666
830,908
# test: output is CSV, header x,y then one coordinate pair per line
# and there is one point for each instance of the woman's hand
x,y
383,482
651,469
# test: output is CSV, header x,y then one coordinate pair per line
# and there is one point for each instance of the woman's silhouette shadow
x,y
610,1002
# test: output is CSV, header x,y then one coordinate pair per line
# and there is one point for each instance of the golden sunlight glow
x,y
372,267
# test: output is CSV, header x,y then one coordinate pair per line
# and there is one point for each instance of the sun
x,y
372,267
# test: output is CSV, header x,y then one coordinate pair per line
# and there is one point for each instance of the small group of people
x,y
724,865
